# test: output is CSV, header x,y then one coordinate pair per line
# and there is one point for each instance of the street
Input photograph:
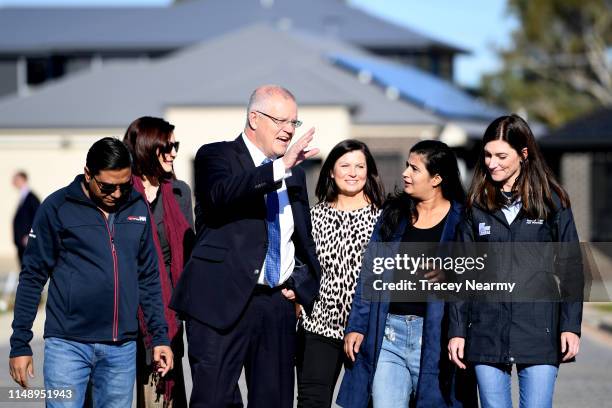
x,y
584,384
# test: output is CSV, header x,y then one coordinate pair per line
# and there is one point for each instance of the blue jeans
x,y
536,385
71,365
397,369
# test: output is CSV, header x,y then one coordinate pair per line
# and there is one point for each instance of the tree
x,y
559,64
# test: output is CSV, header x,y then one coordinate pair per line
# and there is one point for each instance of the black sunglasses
x,y
108,188
167,149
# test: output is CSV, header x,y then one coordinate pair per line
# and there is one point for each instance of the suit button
x,y
256,272
511,359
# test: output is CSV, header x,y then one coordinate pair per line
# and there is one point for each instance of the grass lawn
x,y
604,307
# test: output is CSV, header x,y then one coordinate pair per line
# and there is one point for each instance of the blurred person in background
x,y
92,240
395,344
514,197
350,197
24,216
154,148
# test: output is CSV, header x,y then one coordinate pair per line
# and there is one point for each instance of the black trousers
x,y
320,360
263,341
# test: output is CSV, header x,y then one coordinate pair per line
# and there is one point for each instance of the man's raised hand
x,y
298,152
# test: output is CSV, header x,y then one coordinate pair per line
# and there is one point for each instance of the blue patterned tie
x,y
272,268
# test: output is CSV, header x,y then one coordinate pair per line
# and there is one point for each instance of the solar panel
x,y
419,87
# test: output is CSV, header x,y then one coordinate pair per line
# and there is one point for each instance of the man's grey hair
x,y
259,97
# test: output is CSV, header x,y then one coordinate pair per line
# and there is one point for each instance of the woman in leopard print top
x,y
350,197
341,237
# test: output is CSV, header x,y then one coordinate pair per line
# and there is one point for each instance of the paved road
x,y
585,384
588,382
7,381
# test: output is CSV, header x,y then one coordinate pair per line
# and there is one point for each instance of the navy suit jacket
x,y
24,217
232,240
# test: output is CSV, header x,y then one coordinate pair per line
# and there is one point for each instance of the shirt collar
x,y
517,203
257,155
23,193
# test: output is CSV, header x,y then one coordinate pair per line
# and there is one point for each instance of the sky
x,y
480,26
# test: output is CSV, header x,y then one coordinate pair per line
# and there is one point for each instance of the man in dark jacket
x,y
254,257
24,216
93,240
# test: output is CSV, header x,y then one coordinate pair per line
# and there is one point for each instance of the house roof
x,y
46,31
588,132
222,71
420,87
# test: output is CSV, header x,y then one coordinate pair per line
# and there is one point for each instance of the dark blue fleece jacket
x,y
100,270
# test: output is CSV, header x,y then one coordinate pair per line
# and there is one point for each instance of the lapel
x,y
294,187
501,217
244,157
396,239
246,162
454,216
294,191
388,249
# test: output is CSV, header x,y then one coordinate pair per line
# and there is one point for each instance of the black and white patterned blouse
x,y
341,238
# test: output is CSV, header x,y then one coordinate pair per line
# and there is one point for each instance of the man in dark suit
x,y
28,204
253,260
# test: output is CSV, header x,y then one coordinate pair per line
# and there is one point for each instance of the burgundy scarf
x,y
175,225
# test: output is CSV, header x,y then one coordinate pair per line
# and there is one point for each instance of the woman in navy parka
x,y
515,203
439,383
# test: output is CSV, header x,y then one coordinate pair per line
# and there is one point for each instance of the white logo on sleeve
x,y
484,229
32,234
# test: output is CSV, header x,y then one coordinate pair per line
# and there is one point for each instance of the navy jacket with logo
x,y
100,271
440,384
522,332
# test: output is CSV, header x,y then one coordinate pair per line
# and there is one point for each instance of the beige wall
x,y
52,158
397,133
199,125
391,145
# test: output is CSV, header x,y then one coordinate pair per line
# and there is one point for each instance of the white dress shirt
x,y
287,253
512,210
23,193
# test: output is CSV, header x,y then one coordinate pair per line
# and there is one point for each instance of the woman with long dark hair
x,y
350,196
153,146
514,198
396,345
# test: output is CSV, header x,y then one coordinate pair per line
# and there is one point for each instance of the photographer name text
x,y
456,287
